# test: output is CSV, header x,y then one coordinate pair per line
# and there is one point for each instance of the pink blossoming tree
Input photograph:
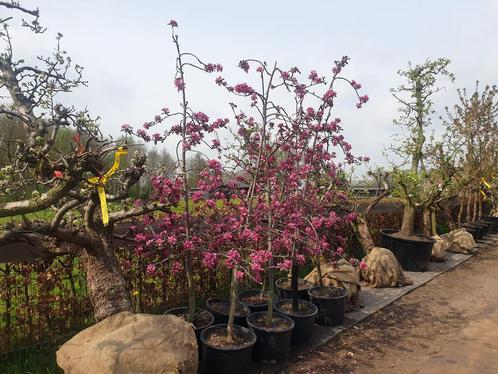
x,y
287,155
182,232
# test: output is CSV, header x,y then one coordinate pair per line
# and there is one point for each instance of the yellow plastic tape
x,y
485,183
483,193
101,181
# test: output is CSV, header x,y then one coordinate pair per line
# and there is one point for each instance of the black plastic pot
x,y
413,255
221,317
493,223
197,329
484,225
303,323
227,360
253,307
331,310
286,293
478,231
272,345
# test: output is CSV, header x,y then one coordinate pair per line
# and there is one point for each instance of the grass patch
x,y
42,215
39,359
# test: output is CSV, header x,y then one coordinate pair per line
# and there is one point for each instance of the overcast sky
x,y
126,49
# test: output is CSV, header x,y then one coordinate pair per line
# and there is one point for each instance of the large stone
x,y
439,248
342,274
383,269
460,241
132,343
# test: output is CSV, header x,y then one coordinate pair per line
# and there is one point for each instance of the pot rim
x,y
315,308
280,315
196,310
489,218
224,326
211,299
250,304
280,280
346,293
389,232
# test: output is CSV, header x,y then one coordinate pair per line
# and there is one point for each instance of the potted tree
x,y
256,158
412,179
179,235
303,183
472,128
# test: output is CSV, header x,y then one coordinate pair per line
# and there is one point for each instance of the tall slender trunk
x,y
408,220
474,211
294,286
271,270
319,270
433,222
233,304
445,209
479,204
106,285
469,207
461,199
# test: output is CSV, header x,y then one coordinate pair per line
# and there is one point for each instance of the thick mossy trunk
x,y
106,285
361,230
427,222
408,220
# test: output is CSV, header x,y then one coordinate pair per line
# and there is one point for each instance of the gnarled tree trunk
x,y
445,209
408,220
361,230
426,222
106,285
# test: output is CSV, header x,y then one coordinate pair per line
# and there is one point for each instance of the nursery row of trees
x,y
270,199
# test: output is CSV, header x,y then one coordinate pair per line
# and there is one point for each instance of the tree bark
x,y
408,220
445,209
474,212
361,230
433,222
426,222
461,199
106,285
469,206
479,204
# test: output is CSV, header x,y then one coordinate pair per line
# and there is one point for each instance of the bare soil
x,y
223,307
301,285
255,299
277,323
416,238
303,308
327,292
219,338
449,325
